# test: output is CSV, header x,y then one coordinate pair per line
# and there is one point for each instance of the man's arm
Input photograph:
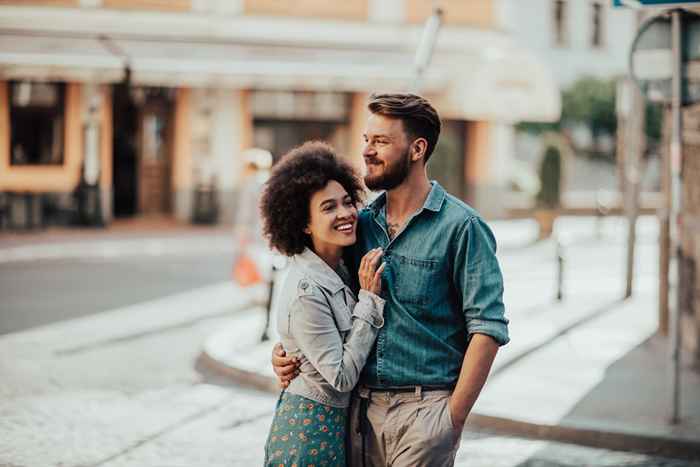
x,y
475,369
478,277
286,368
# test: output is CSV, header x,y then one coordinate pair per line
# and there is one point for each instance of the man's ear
x,y
418,149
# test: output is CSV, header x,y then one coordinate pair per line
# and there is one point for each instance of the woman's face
x,y
332,217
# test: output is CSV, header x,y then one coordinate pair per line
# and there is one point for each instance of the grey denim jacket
x,y
319,320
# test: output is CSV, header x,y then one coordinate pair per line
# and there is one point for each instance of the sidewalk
x,y
136,227
597,378
147,236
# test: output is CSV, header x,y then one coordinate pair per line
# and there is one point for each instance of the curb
x,y
601,439
591,437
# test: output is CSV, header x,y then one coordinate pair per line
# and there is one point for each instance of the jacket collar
x,y
319,271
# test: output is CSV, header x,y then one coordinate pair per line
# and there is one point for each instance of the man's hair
x,y
419,117
299,174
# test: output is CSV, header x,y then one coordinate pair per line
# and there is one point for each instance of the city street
x,y
49,283
125,386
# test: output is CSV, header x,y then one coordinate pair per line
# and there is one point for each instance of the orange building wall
x,y
161,5
348,10
476,158
38,179
479,13
106,138
182,160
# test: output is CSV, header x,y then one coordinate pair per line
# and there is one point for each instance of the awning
x,y
478,75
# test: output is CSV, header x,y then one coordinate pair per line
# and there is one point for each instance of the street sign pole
x,y
676,158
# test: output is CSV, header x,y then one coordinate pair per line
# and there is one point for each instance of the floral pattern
x,y
306,433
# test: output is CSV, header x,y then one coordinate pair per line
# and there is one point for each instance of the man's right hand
x,y
286,368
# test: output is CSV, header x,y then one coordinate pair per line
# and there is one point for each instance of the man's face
x,y
386,153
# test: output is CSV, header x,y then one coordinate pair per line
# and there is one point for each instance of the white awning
x,y
478,75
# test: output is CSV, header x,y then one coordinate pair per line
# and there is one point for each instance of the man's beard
x,y
393,175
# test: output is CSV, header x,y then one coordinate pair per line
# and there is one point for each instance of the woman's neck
x,y
330,254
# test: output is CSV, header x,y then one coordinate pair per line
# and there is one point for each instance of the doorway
x,y
142,147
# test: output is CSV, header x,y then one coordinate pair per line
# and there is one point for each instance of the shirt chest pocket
x,y
415,279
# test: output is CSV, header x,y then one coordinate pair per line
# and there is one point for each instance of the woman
x,y
309,213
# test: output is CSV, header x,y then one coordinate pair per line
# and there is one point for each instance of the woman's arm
x,y
320,341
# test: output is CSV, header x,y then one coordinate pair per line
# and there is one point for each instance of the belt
x,y
407,389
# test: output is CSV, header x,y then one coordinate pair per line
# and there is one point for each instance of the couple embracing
x,y
390,316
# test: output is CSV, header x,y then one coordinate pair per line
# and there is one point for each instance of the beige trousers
x,y
404,429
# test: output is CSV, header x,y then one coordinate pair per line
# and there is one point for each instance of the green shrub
x,y
549,195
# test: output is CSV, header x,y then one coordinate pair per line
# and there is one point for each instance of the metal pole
x,y
424,53
560,270
633,134
676,157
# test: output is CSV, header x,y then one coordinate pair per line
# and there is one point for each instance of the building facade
x,y
153,101
575,38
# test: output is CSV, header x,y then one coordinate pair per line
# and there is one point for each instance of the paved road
x,y
146,401
50,290
107,393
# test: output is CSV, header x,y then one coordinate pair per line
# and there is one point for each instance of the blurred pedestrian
x,y
309,209
444,299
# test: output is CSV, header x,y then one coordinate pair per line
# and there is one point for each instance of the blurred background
x,y
135,137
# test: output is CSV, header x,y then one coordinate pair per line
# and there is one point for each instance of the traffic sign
x,y
651,58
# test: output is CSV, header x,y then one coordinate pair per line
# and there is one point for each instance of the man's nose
x,y
368,150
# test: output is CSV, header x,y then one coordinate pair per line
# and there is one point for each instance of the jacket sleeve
x,y
313,326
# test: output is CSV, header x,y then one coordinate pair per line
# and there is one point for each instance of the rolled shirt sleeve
x,y
479,281
316,330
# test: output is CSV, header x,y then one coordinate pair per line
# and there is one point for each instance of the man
x,y
444,313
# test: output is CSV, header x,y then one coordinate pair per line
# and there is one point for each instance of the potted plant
x,y
548,199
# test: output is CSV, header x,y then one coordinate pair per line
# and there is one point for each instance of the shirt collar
x,y
319,271
432,203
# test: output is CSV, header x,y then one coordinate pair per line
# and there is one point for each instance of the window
x,y
560,23
596,25
36,123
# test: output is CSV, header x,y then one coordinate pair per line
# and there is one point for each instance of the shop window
x,y
596,25
36,123
560,20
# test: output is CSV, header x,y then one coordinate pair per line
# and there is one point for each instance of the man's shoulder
x,y
458,211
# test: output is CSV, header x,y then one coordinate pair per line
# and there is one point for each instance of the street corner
x,y
236,352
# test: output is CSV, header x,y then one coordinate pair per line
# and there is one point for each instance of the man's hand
x,y
286,368
475,368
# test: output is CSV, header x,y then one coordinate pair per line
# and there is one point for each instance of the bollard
x,y
560,271
268,305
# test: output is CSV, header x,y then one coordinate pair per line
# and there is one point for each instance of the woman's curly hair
x,y
294,179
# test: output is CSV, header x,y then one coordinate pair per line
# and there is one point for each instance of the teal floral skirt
x,y
306,433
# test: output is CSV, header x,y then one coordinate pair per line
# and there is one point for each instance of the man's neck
x,y
407,198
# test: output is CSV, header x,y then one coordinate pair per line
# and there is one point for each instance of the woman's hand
x,y
370,275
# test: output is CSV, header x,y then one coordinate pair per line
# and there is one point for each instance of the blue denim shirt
x,y
442,283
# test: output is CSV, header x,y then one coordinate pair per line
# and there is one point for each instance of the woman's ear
x,y
307,231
